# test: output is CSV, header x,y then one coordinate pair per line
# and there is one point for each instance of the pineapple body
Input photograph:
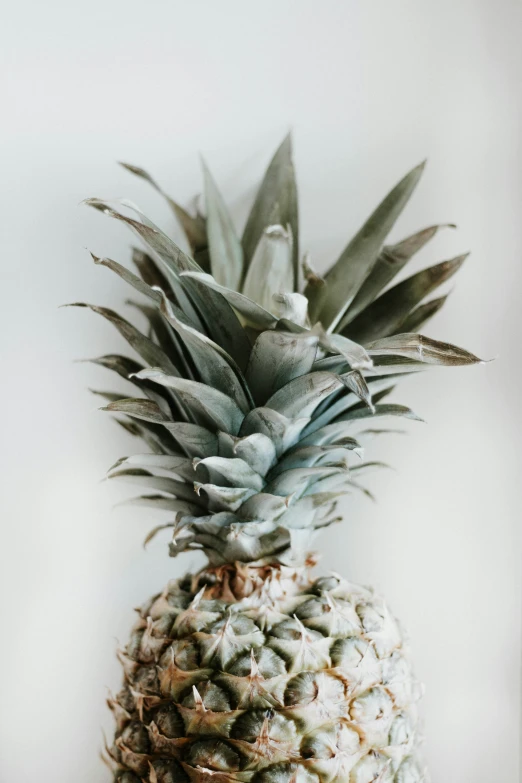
x,y
259,674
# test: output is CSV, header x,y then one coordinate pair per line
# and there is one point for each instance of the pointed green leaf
x,y
301,396
297,480
270,272
421,314
171,463
136,282
215,366
329,303
163,503
386,314
396,365
344,403
148,350
197,301
253,314
226,253
276,359
332,434
390,262
357,384
194,440
276,202
121,365
355,354
150,272
380,410
257,450
179,489
262,507
423,349
214,407
224,498
235,472
138,409
312,456
194,227
282,431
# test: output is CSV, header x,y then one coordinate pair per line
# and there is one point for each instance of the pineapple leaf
x,y
162,503
214,407
236,472
257,450
276,202
329,302
194,440
224,498
215,311
282,431
143,346
421,314
194,227
253,314
215,366
380,410
390,262
263,507
179,489
226,253
355,354
136,282
355,382
276,359
387,313
138,409
292,308
423,349
344,403
150,272
171,463
297,480
270,272
301,396
332,434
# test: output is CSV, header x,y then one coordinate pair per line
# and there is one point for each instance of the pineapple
x,y
254,402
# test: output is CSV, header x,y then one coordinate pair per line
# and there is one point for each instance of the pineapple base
x,y
257,674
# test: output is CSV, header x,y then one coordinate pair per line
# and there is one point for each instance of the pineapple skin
x,y
245,673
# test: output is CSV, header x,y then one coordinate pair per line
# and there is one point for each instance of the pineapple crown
x,y
254,399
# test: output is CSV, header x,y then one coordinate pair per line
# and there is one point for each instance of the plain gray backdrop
x,y
370,89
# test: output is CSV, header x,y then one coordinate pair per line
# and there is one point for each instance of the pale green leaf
x,y
329,303
257,450
214,365
253,314
224,498
277,358
301,396
194,440
226,253
386,314
270,272
214,407
276,202
234,472
390,262
422,349
421,314
282,431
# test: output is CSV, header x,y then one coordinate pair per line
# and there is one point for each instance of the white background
x,y
370,89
